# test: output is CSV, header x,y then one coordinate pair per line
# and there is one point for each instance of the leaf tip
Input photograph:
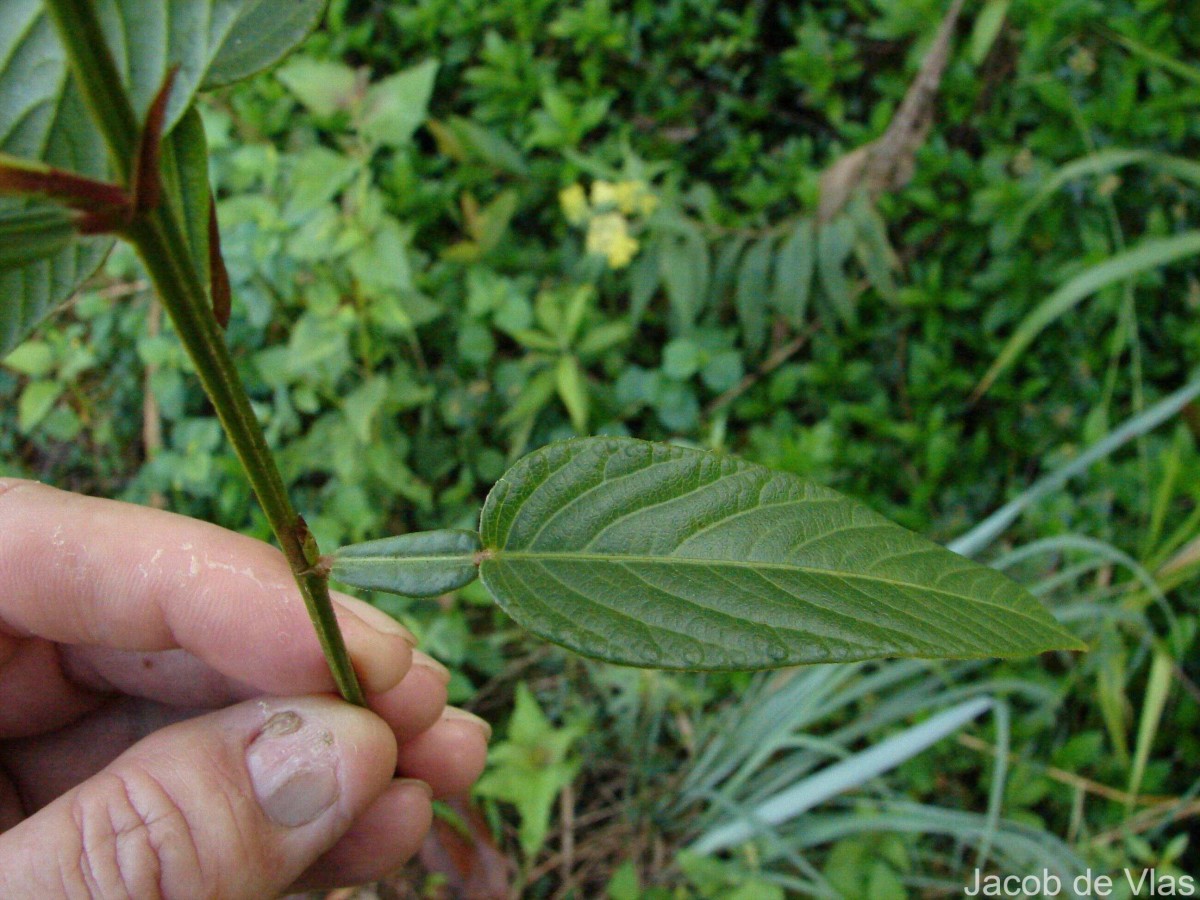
x,y
1062,640
1077,645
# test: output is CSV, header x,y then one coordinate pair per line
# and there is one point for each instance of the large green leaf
x,y
263,32
33,233
653,555
43,117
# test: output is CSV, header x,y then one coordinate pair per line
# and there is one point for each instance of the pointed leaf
x,y
534,395
486,144
794,265
725,268
322,85
603,337
835,243
530,768
494,219
574,309
872,247
987,28
572,390
32,358
750,295
653,555
35,404
645,276
535,340
684,268
423,564
397,105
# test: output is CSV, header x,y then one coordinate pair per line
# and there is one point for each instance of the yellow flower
x,y
574,204
608,236
604,193
634,198
627,196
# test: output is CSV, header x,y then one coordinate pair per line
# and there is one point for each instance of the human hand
x,y
166,724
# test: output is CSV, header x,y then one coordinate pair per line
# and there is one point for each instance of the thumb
x,y
236,803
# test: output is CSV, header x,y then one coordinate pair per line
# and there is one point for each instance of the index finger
x,y
83,571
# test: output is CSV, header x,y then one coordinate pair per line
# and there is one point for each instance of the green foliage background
x,y
414,308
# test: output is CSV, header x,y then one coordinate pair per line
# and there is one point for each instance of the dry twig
x,y
1085,785
887,162
769,365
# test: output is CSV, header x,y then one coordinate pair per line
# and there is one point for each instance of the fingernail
x,y
293,767
453,713
425,661
415,784
377,619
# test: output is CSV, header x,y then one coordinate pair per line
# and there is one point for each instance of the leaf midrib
x,y
468,558
539,556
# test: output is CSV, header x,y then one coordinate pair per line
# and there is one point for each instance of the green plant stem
x,y
160,242
163,249
98,79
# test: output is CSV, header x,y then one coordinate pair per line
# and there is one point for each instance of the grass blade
x,y
1157,688
1145,257
979,537
843,776
1103,162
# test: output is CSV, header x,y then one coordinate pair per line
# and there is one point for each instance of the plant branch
x,y
160,241
770,364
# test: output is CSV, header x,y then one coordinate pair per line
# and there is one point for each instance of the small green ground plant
x,y
632,552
